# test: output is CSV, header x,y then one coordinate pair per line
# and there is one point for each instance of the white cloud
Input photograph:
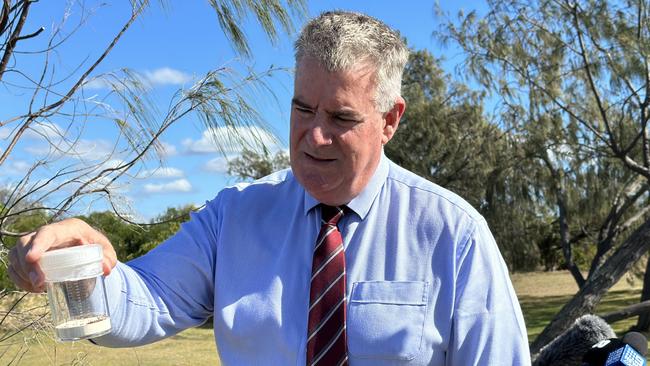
x,y
179,185
97,83
217,165
95,150
231,140
21,165
39,131
111,164
45,130
107,180
149,78
40,150
163,172
167,149
15,167
166,76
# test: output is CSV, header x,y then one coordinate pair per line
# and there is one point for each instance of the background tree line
x,y
446,136
129,240
544,129
560,163
48,91
572,79
55,105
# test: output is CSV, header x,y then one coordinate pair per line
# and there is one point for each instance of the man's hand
x,y
23,258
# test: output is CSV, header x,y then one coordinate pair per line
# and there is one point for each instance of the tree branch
x,y
627,312
31,35
13,39
74,88
4,15
563,220
592,83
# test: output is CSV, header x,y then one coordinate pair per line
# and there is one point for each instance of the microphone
x,y
635,347
568,348
614,352
599,353
638,341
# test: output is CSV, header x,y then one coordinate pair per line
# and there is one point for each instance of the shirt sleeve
x,y
169,289
488,326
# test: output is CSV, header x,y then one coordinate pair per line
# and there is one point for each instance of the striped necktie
x,y
326,342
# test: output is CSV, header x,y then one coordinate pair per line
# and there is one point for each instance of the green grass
x,y
37,346
191,347
541,296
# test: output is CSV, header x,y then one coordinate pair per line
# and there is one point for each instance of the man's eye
x,y
346,120
304,110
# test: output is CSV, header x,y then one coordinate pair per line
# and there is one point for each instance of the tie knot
x,y
331,214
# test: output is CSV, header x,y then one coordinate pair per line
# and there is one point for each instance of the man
x,y
345,258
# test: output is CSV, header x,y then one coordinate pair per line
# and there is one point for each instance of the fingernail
x,y
33,276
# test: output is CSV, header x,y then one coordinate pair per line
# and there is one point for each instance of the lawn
x,y
541,296
191,347
38,347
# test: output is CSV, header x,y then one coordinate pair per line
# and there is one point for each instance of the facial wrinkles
x,y
335,118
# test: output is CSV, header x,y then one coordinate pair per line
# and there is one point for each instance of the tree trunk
x,y
643,324
567,245
597,285
641,308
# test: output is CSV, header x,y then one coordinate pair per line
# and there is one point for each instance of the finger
x,y
65,233
37,277
21,248
15,266
30,270
19,281
106,266
39,243
110,259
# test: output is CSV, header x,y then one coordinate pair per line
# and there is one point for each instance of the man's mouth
x,y
318,158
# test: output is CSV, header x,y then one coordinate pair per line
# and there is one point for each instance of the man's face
x,y
336,132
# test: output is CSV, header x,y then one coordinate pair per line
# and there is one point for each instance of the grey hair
x,y
342,40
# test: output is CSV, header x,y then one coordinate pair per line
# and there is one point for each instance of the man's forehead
x,y
362,68
360,80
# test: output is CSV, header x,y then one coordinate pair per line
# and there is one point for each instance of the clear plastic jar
x,y
75,289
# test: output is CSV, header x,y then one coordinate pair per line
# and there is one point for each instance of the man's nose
x,y
319,134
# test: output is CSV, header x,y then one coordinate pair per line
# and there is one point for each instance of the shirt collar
x,y
362,202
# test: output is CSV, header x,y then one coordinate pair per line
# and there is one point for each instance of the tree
x,y
218,99
57,107
125,237
445,137
573,76
131,241
161,228
253,165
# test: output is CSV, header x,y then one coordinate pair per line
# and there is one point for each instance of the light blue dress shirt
x,y
426,284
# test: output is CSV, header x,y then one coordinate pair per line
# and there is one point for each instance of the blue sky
x,y
170,47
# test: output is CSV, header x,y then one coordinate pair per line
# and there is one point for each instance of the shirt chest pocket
x,y
386,319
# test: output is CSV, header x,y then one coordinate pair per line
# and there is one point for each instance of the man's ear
x,y
392,118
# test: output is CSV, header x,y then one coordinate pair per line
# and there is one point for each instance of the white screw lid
x,y
71,257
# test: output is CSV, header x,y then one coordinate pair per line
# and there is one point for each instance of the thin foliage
x,y
572,81
61,105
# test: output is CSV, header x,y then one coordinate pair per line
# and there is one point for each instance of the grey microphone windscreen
x,y
568,348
